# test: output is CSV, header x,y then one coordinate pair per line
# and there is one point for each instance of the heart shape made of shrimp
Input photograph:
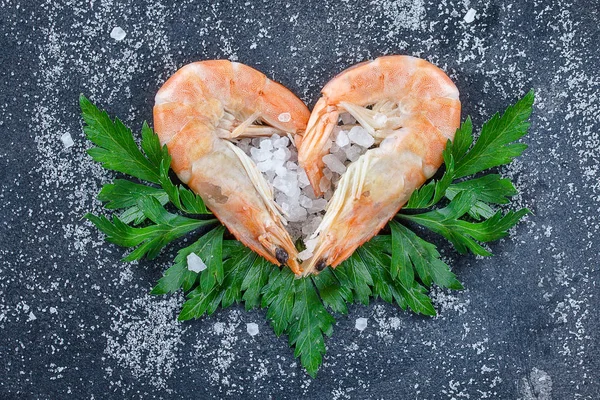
x,y
382,125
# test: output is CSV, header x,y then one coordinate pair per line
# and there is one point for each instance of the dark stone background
x,y
75,322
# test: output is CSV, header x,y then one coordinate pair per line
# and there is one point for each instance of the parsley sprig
x,y
398,267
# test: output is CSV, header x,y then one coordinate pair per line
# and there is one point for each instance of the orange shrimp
x,y
411,108
197,113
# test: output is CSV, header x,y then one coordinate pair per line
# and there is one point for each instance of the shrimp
x,y
412,109
198,112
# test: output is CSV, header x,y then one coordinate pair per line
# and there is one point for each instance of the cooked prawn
x,y
411,108
198,112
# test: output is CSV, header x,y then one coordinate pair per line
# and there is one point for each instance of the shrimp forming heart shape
x,y
408,105
411,108
197,112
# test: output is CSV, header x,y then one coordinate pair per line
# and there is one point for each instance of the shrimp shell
x,y
421,113
198,112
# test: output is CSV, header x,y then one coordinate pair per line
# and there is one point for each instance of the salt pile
x,y
277,158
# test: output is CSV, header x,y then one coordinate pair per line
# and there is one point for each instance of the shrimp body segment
x,y
198,112
412,109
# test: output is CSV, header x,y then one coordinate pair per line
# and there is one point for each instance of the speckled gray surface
x,y
75,322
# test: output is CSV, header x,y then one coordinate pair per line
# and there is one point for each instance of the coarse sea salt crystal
x,y
281,142
470,16
353,152
311,244
347,119
360,136
195,263
284,117
260,154
252,329
67,140
342,139
334,164
118,33
305,254
361,324
318,205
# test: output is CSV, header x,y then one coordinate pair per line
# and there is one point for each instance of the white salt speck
x,y
470,16
67,140
353,153
32,316
195,263
342,139
334,164
347,119
284,117
361,324
252,328
305,254
361,137
118,33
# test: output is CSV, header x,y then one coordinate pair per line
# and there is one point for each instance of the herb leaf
x,y
150,239
116,149
309,322
463,234
495,145
123,194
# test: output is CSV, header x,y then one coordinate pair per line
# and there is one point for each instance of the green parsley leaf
x,y
463,234
208,248
490,189
309,322
123,194
333,292
279,298
410,253
150,239
116,149
256,278
495,145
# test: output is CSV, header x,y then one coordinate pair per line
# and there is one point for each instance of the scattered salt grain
x,y
342,139
361,137
118,33
284,117
361,324
67,140
195,263
470,16
252,329
32,316
334,164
